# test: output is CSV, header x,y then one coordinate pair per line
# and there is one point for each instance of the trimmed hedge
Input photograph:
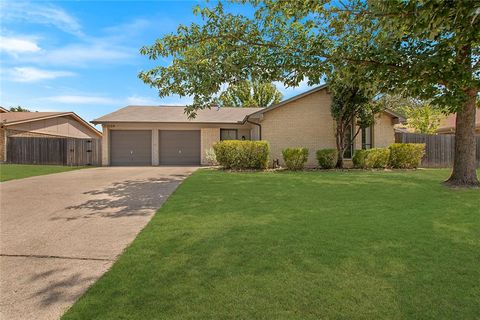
x,y
295,158
238,154
371,158
359,158
327,158
406,155
377,158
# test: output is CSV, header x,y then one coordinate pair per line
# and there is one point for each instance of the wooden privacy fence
x,y
439,149
55,151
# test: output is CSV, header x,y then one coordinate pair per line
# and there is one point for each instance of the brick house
x,y
163,135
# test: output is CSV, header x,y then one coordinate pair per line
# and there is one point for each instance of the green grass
x,y
19,171
307,245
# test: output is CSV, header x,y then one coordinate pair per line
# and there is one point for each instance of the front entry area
x,y
131,147
179,147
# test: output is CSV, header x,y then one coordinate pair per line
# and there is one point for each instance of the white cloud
x,y
48,109
141,101
176,100
84,54
14,45
81,99
128,30
42,14
29,74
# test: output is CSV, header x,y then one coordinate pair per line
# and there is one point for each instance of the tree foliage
x,y
408,44
353,110
19,109
424,118
247,94
429,48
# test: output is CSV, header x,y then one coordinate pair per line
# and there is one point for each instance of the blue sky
x,y
82,56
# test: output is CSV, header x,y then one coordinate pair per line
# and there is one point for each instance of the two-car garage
x,y
174,147
166,135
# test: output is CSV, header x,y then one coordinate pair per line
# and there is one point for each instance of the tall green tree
x,y
430,48
421,115
247,94
19,109
353,110
397,102
424,118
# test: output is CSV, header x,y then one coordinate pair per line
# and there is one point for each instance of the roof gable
x,y
284,102
13,118
389,112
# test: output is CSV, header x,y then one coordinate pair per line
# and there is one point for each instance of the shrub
x,y
327,158
377,158
295,158
359,158
406,155
238,154
210,157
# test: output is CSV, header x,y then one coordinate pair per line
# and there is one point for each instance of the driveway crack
x,y
52,257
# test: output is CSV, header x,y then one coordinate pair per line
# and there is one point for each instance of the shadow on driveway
x,y
126,198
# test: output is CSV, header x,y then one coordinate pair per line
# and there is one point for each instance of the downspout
x,y
259,128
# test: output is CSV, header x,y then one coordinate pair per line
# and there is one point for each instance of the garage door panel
x,y
179,147
131,147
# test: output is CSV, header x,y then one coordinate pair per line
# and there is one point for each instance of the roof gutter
x,y
259,127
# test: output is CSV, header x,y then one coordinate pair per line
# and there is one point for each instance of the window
x,y
367,135
228,134
349,143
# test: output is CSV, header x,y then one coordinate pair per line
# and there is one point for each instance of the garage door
x,y
131,147
179,147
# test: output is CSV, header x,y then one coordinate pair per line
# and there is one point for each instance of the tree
x,y
434,53
19,109
353,110
424,118
428,48
421,115
247,94
397,102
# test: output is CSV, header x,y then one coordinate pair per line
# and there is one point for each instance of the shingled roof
x,y
176,114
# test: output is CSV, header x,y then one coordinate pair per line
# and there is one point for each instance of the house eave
x,y
71,114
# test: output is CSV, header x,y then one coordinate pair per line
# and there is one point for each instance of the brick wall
x,y
307,122
208,138
2,144
383,133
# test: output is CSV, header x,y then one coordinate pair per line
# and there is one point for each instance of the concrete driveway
x,y
61,232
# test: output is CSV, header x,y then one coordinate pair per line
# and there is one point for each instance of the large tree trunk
x,y
340,141
464,164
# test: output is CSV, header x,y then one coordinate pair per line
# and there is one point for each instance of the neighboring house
x,y
43,124
162,135
3,110
447,126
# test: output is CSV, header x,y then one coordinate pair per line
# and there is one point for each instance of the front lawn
x,y
307,245
19,171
